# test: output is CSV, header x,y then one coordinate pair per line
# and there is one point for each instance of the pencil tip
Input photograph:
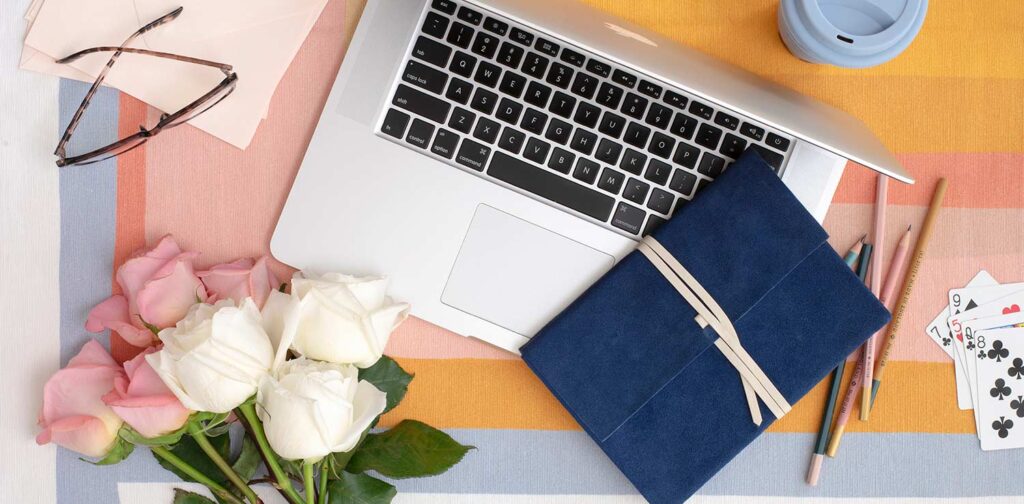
x,y
862,238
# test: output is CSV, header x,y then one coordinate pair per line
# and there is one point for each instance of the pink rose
x,y
241,279
73,414
143,401
159,286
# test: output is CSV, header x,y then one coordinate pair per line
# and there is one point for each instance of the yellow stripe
x,y
504,394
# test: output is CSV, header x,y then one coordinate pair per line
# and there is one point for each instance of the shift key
x,y
421,103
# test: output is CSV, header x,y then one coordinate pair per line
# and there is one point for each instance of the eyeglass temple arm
x,y
147,52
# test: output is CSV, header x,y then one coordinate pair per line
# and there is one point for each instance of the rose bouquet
x,y
299,368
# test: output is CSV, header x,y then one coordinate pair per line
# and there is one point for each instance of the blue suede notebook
x,y
649,385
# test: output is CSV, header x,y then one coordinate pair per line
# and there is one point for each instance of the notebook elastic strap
x,y
755,382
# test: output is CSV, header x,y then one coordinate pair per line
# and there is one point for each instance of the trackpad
x,y
518,275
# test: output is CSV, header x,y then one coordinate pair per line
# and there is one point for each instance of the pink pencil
x,y
876,287
899,258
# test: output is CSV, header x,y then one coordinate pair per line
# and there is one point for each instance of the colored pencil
x,y
814,470
881,193
908,283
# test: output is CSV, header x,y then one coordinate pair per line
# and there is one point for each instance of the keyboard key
x,y
700,110
445,6
560,75
708,136
534,121
611,180
683,126
535,65
661,201
435,25
777,142
444,143
484,101
521,37
637,135
547,47
659,116
653,222
586,171
587,115
650,89
512,84
612,125
511,140
727,121
561,160
585,85
420,103
608,151
462,120
599,67
460,35
510,55
628,218
509,111
771,157
473,155
636,191
432,52
537,94
675,99
425,76
459,90
624,78
583,141
733,146
573,57
661,145
486,130
562,104
487,74
558,131
394,123
610,95
751,131
633,162
686,155
495,26
711,165
485,45
634,106
658,172
683,182
470,16
536,150
462,64
549,186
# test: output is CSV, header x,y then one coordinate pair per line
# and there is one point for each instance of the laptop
x,y
494,158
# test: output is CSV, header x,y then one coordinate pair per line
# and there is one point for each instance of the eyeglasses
x,y
167,121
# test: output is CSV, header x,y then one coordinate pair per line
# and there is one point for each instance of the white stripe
x,y
29,256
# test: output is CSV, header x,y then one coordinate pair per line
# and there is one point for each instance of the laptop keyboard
x,y
551,120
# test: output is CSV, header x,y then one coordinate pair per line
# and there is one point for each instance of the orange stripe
x,y
131,202
504,394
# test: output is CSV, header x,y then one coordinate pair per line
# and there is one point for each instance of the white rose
x,y
310,409
334,318
214,358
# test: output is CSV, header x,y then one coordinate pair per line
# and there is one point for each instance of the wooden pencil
x,y
881,196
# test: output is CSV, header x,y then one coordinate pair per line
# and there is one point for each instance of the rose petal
x,y
369,403
112,310
166,298
87,435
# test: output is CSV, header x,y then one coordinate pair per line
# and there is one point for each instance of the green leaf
x,y
190,452
186,497
360,489
338,461
132,436
120,451
410,449
389,378
248,460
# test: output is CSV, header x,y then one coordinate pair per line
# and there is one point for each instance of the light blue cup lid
x,y
850,33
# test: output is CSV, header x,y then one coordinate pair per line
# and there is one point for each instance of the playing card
x,y
1001,383
963,300
938,330
974,334
1002,306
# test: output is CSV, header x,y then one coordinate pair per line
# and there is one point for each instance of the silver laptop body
x,y
495,157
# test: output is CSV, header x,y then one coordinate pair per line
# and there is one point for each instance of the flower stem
x,y
194,473
322,494
199,436
307,483
247,412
